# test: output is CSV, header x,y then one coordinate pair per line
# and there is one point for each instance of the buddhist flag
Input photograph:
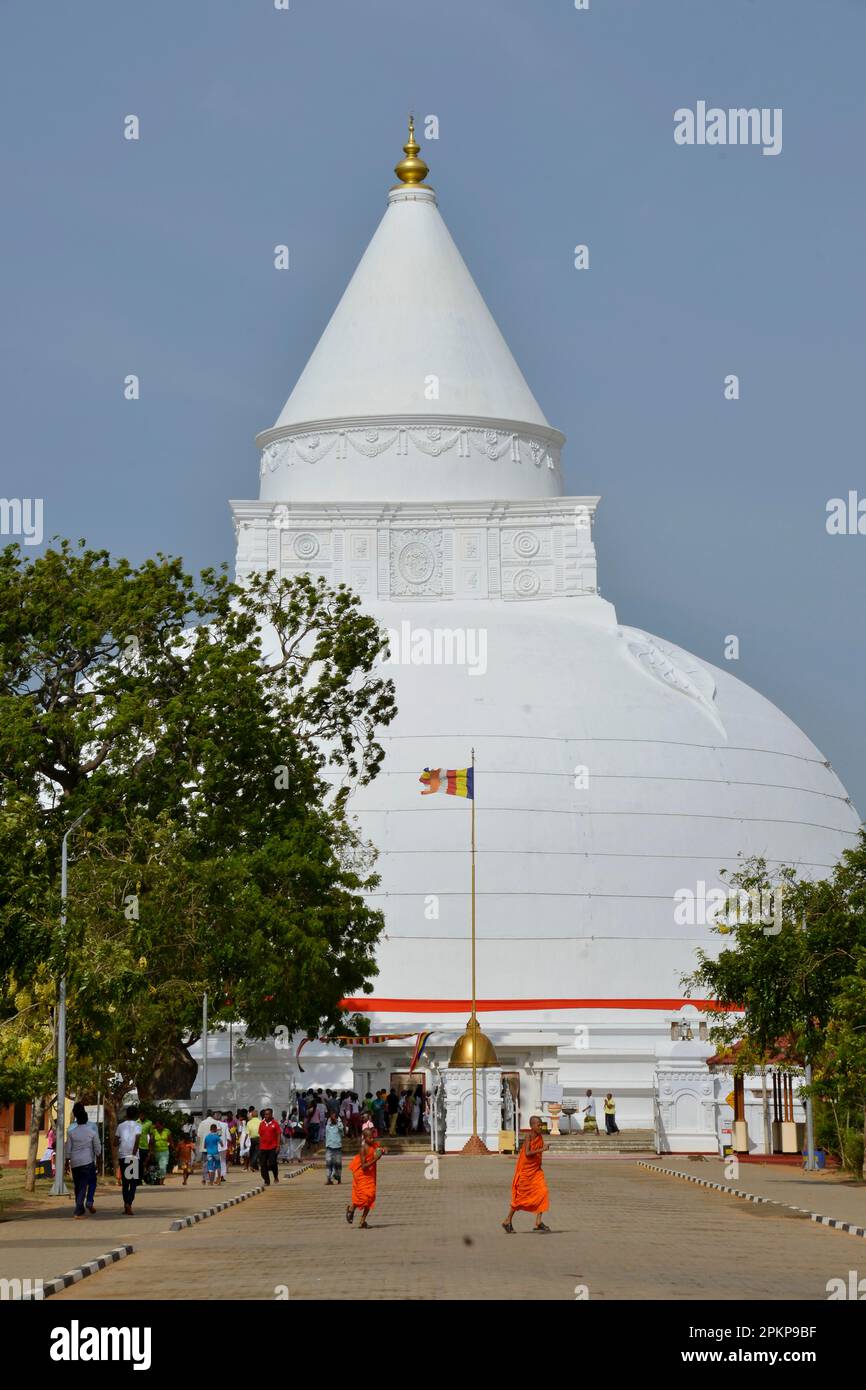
x,y
419,1048
455,781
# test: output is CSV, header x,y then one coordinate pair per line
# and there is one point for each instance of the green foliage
x,y
162,1117
212,733
802,981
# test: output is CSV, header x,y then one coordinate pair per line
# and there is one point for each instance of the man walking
x,y
590,1125
529,1188
392,1107
253,1126
610,1123
334,1131
82,1150
128,1138
270,1136
363,1167
316,1121
379,1112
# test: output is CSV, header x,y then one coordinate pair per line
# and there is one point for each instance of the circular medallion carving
x,y
526,544
306,546
416,562
526,583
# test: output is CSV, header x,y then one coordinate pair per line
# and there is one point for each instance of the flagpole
x,y
474,1019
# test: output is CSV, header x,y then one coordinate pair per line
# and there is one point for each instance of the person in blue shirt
x,y
334,1131
212,1151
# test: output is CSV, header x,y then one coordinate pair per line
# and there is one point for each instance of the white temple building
x,y
613,769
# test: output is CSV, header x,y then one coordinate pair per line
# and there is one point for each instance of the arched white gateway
x,y
614,770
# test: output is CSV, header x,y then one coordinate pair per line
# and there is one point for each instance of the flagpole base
x,y
474,1145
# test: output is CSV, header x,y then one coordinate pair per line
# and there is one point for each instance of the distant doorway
x,y
512,1081
402,1081
409,1118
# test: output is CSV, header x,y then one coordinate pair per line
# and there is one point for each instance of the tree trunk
x,y
863,1169
109,1126
768,1140
37,1112
169,1077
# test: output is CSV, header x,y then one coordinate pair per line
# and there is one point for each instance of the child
x,y
212,1155
185,1153
363,1168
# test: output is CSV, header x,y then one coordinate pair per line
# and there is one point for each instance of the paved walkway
x,y
46,1241
618,1232
829,1193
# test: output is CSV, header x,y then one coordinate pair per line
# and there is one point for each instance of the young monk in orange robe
x,y
529,1189
363,1167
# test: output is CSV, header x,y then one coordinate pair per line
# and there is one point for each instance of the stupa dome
x,y
614,770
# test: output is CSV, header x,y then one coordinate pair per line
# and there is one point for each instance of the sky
x,y
261,126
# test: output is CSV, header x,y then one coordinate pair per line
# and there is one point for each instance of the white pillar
x,y
458,1103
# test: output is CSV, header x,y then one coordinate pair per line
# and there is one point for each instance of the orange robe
x,y
363,1183
529,1190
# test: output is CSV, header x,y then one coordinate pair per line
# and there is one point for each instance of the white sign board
x,y
551,1092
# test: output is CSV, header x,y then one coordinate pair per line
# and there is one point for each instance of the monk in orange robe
x,y
363,1168
529,1189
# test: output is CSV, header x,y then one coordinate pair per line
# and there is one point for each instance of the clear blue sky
x,y
259,127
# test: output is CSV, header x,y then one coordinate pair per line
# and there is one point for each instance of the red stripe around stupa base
x,y
370,1005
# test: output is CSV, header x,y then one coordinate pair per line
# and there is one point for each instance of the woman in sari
x,y
529,1189
363,1167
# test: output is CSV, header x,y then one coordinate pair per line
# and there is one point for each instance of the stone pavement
x,y
828,1193
46,1241
618,1232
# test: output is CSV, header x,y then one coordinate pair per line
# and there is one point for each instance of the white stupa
x,y
412,462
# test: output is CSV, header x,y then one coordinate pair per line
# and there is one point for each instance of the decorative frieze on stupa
x,y
513,551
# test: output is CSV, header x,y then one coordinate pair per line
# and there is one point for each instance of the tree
x,y
803,983
214,733
27,1068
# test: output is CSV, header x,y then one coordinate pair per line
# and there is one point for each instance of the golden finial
x,y
411,169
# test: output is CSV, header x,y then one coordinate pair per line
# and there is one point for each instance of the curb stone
x,y
120,1252
74,1276
750,1197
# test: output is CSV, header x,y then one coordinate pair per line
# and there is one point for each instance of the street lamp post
x,y
810,1165
59,1187
204,1057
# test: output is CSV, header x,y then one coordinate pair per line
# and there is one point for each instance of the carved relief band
x,y
431,440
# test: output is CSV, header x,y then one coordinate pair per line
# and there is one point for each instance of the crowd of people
x,y
248,1139
303,1126
257,1141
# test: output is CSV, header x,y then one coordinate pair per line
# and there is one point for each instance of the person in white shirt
x,y
82,1150
589,1121
127,1139
244,1146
